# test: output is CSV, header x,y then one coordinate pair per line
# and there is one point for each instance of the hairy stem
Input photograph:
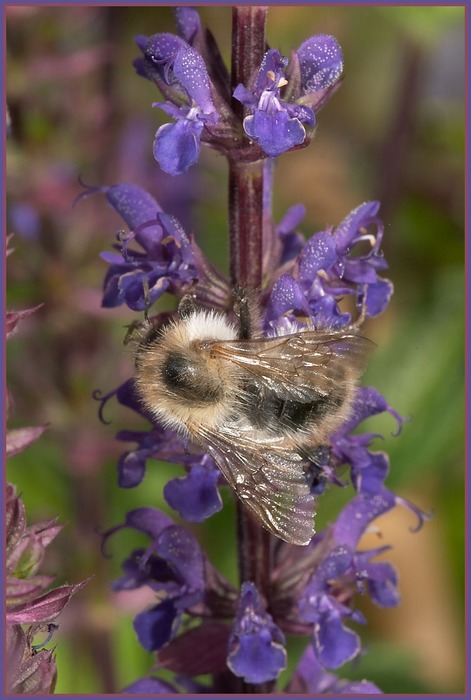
x,y
245,245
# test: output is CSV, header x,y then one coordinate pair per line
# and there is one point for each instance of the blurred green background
x,y
395,132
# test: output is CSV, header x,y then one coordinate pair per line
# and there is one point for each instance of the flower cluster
x,y
282,101
312,593
312,589
315,275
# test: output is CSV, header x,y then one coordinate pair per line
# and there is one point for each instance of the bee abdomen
x,y
269,411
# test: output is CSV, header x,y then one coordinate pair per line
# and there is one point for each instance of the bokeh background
x,y
395,132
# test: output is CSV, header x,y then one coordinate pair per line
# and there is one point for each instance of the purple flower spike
x,y
275,125
256,644
180,73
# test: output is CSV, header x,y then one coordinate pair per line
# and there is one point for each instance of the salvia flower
x,y
256,645
275,123
319,64
310,678
331,265
168,260
180,72
172,565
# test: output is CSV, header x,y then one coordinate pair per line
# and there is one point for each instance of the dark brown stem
x,y
245,244
248,46
245,223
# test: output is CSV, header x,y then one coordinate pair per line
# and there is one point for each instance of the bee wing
x,y
300,365
269,480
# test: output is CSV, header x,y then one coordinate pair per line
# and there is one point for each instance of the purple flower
x,y
170,260
137,278
195,497
150,686
327,268
275,125
314,71
310,678
334,644
256,645
172,565
368,469
180,73
319,61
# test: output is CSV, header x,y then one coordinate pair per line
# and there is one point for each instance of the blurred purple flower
x,y
24,220
310,678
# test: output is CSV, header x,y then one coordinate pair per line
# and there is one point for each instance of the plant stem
x,y
245,246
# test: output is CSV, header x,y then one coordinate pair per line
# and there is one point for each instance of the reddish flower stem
x,y
245,245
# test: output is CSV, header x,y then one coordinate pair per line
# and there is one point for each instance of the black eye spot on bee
x,y
182,376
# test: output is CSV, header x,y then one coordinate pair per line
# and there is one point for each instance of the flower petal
x,y
195,497
177,146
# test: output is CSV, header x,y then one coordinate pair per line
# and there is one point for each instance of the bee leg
x,y
131,330
314,471
147,304
137,325
246,309
187,305
362,315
